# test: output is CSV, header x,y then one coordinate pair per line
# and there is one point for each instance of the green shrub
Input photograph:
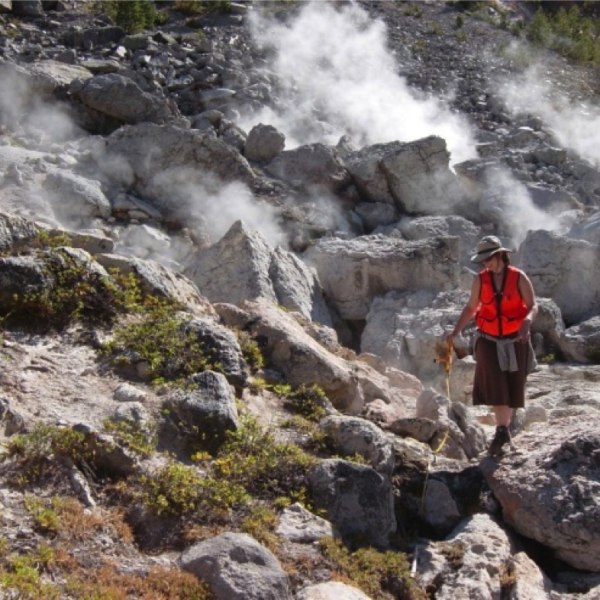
x,y
142,442
202,7
180,490
570,33
378,574
307,401
250,350
133,15
265,468
20,575
73,291
159,338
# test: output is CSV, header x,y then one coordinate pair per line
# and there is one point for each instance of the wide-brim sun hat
x,y
487,247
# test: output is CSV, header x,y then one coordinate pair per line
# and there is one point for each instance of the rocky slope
x,y
203,220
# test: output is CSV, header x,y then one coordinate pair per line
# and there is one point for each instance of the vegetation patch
x,y
377,574
267,469
52,570
70,290
202,7
250,470
36,452
570,32
250,350
159,338
141,441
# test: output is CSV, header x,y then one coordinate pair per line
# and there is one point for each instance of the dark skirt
x,y
493,387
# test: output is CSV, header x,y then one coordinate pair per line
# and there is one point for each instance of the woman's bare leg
x,y
503,415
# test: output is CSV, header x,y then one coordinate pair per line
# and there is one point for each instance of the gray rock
x,y
472,559
75,197
220,346
581,342
161,163
156,280
28,8
243,266
550,490
16,233
353,273
358,501
352,435
237,567
206,411
559,268
313,167
330,590
264,143
413,176
299,525
119,97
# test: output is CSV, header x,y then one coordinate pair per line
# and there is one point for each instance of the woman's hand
x,y
524,331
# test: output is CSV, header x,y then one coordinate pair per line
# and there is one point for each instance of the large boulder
x,y
28,8
418,228
156,280
16,233
206,410
349,436
314,167
264,143
458,435
414,176
121,98
237,567
358,500
165,164
355,272
76,198
581,342
470,562
408,329
559,268
42,78
243,266
550,490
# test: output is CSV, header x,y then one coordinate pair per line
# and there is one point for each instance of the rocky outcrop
x,y
313,168
353,273
303,361
557,503
120,98
414,176
558,268
162,163
474,558
175,157
243,266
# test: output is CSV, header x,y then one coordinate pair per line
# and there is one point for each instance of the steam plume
x,y
338,77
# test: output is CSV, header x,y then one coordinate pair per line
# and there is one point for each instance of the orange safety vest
x,y
500,314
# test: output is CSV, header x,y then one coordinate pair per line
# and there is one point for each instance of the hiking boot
x,y
501,438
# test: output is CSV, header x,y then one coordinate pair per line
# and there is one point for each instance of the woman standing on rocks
x,y
504,305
